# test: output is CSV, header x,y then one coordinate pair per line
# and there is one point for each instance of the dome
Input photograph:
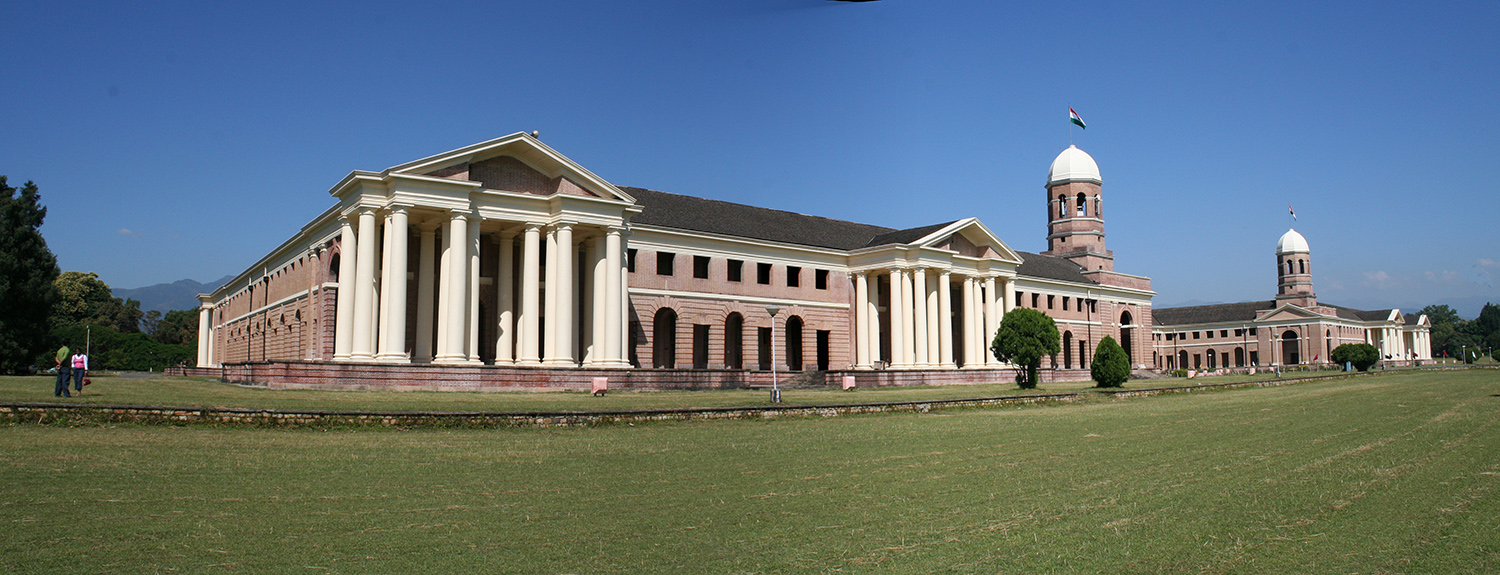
x,y
1292,242
1073,164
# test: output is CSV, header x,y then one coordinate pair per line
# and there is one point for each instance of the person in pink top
x,y
80,367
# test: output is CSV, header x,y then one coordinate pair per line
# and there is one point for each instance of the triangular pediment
x,y
517,163
1286,312
969,237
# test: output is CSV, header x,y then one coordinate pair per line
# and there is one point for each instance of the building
x,y
1292,329
505,264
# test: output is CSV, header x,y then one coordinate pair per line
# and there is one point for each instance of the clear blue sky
x,y
185,140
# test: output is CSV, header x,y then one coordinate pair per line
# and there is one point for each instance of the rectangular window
x,y
1195,335
763,274
1239,332
1253,330
1223,333
1034,300
664,263
1018,299
793,276
763,347
1049,301
1208,334
1169,336
700,346
1254,358
820,279
736,268
700,267
630,260
1065,303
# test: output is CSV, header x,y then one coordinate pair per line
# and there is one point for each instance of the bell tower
x,y
1075,211
1294,271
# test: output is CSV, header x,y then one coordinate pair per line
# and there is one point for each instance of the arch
x,y
333,267
1213,359
1126,334
1083,209
1239,357
1328,346
1062,206
734,341
794,343
1067,345
1302,266
664,339
1182,361
1289,348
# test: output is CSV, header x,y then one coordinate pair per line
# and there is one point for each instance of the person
x,y
64,370
80,369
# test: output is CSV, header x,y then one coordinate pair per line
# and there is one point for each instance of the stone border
x,y
56,413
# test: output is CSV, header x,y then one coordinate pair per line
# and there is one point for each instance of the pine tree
x,y
1111,366
27,269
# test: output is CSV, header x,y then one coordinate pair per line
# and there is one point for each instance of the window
x,y
1239,332
820,279
1062,206
1252,331
1223,333
1082,205
1034,300
1050,297
1018,298
664,263
736,268
763,274
793,276
1195,335
700,267
630,260
1208,334
1065,303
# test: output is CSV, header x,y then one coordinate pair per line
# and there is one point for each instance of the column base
x,y
451,359
559,363
393,358
361,358
528,363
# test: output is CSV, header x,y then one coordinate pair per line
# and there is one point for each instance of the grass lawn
x,y
1390,474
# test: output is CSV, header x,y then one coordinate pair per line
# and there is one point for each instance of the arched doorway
x,y
1289,348
1213,361
1067,350
734,341
1182,361
794,343
1239,357
1328,346
1125,337
664,337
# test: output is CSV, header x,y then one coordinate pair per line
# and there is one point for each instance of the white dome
x,y
1292,242
1073,164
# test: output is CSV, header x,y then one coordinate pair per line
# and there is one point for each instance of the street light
x,y
775,384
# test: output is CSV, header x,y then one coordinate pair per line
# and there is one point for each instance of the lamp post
x,y
775,384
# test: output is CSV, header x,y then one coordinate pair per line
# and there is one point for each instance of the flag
x,y
1291,211
1073,116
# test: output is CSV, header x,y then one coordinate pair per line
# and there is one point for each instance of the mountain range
x,y
181,294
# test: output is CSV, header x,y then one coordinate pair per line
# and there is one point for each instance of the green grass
x,y
178,391
1390,474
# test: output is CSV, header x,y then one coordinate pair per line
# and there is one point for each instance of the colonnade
x,y
921,312
576,314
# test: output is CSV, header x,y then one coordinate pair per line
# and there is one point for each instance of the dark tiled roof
x,y
1361,315
905,236
1412,319
730,219
1048,267
1243,311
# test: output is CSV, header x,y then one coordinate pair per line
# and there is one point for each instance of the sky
x,y
176,140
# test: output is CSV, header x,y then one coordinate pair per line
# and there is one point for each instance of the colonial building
x,y
1292,329
505,264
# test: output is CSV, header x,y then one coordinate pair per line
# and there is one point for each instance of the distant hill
x,y
181,294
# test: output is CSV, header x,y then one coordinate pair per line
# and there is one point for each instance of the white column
x,y
625,307
383,304
1009,301
945,319
445,267
919,318
343,331
934,347
968,322
213,345
976,301
471,315
991,320
393,335
597,297
528,348
422,351
456,285
549,299
872,311
505,297
861,321
364,289
614,308
560,327
898,321
909,326
205,317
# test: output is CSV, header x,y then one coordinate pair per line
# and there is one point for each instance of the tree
x,y
1445,322
84,299
178,327
1111,366
1024,338
27,269
1487,326
1362,355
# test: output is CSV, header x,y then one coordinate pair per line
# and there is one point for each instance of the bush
x,y
1111,366
1361,355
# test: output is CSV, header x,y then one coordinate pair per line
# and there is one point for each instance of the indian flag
x,y
1073,116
